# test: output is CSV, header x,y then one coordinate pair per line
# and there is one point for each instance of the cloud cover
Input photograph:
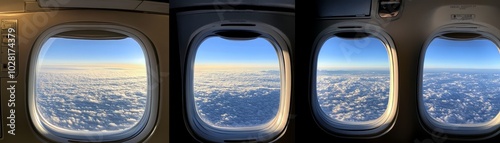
x,y
91,100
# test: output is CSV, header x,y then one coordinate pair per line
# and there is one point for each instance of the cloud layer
x,y
353,95
91,100
237,98
462,97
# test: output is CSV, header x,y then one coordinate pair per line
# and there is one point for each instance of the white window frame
x,y
266,132
366,129
137,133
481,130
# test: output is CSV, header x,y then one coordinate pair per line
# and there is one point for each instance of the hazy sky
x,y
218,51
62,51
477,54
363,53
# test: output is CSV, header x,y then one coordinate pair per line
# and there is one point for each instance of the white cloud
x,y
462,97
353,96
92,100
239,98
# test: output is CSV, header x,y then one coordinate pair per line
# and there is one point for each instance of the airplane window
x,y
236,82
354,86
353,79
89,85
459,80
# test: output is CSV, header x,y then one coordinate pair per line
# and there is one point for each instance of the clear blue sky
x,y
472,54
218,51
75,51
363,53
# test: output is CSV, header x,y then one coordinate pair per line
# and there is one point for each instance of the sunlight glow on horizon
x,y
94,66
235,67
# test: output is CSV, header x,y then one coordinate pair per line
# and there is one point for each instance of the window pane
x,y
236,82
461,80
353,79
91,85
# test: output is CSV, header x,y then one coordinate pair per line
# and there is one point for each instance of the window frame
x,y
266,132
136,133
367,129
457,131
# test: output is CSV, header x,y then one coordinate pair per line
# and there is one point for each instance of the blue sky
x,y
62,51
337,53
363,53
219,51
470,54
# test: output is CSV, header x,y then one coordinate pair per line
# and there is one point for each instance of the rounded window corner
x,y
42,64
